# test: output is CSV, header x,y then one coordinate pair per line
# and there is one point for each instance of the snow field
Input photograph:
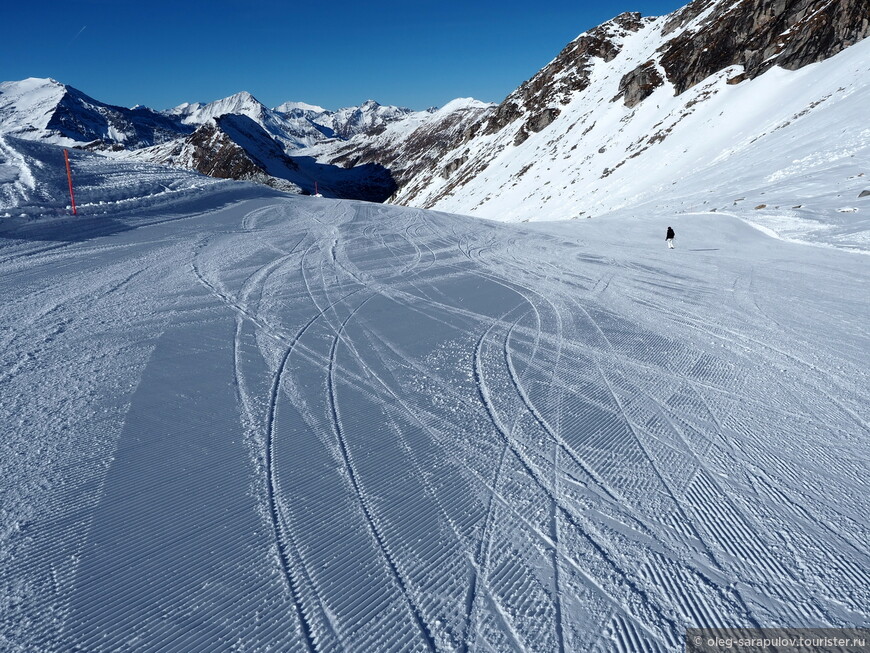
x,y
306,424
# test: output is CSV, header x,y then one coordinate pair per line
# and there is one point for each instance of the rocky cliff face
x,y
757,35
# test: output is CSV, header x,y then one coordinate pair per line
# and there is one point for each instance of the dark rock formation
x,y
681,17
639,84
236,147
504,114
539,121
758,34
453,166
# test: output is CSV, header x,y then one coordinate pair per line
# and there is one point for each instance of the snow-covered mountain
x,y
289,107
44,109
291,131
243,104
723,97
194,136
364,119
227,125
296,124
414,148
229,146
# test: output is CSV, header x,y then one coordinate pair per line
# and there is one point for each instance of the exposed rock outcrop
x,y
216,149
639,84
683,16
453,166
758,34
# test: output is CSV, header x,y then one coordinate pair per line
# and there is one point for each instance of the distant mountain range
x,y
625,112
48,110
237,137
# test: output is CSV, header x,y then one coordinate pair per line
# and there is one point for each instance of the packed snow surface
x,y
233,420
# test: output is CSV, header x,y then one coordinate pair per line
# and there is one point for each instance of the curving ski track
x,y
300,424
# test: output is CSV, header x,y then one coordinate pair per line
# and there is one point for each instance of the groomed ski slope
x,y
298,424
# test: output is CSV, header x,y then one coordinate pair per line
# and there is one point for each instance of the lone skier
x,y
669,238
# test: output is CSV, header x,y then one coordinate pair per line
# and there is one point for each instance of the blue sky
x,y
414,53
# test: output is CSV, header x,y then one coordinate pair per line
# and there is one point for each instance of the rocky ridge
x,y
758,35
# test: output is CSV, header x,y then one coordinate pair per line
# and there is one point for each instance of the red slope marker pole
x,y
72,196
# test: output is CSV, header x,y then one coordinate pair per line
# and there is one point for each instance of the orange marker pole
x,y
72,196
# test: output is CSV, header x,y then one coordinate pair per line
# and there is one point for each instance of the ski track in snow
x,y
448,434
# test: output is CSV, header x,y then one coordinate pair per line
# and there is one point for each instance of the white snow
x,y
25,105
241,103
286,107
231,419
102,186
459,104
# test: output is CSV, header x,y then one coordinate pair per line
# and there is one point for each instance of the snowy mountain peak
x,y
184,109
460,104
32,83
26,106
368,116
47,110
289,107
242,103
